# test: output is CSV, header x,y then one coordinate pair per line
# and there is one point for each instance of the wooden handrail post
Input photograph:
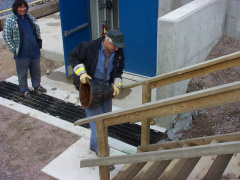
x,y
102,144
145,129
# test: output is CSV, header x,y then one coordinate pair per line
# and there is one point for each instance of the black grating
x,y
128,133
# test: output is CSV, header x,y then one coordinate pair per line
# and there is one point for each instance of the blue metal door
x,y
138,22
74,16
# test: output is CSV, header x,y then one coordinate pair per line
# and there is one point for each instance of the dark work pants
x,y
22,67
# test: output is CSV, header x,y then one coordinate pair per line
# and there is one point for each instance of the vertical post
x,y
145,131
102,144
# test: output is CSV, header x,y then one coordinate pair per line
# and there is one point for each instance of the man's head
x,y
114,40
20,7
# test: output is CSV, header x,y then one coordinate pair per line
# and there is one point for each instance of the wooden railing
x,y
175,105
170,154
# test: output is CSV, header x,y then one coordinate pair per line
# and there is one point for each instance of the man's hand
x,y
115,91
83,78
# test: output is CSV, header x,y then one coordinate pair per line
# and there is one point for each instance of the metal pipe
x,y
67,33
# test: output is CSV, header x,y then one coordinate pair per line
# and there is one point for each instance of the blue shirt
x,y
29,47
104,61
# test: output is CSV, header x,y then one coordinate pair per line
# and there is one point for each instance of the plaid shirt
x,y
11,32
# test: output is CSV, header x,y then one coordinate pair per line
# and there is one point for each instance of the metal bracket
x,y
67,33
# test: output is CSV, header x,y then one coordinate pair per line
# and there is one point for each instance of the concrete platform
x,y
67,165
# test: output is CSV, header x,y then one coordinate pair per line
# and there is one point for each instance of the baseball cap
x,y
117,37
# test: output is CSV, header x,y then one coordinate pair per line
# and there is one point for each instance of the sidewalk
x,y
66,166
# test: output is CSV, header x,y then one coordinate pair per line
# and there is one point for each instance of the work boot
x,y
111,167
94,151
27,95
40,89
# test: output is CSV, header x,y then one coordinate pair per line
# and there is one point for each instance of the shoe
x,y
94,151
27,95
111,167
40,89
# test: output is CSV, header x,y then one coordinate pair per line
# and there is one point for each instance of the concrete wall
x,y
167,6
185,37
232,23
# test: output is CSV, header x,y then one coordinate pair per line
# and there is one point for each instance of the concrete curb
x,y
52,55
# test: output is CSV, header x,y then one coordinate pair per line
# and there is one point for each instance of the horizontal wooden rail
x,y
188,102
210,66
195,141
178,153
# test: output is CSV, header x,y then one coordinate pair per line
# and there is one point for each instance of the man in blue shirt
x,y
101,60
22,36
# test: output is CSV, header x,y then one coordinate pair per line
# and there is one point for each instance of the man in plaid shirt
x,y
22,36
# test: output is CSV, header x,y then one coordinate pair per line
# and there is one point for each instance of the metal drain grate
x,y
128,133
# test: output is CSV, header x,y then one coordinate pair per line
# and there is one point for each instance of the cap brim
x,y
119,45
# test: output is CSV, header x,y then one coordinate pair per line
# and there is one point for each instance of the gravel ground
x,y
222,119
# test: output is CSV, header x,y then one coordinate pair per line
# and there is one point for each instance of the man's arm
x,y
77,58
77,55
8,35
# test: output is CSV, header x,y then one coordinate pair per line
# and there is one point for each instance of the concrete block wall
x,y
185,37
167,6
232,23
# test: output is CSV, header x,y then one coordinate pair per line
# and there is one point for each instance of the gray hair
x,y
108,38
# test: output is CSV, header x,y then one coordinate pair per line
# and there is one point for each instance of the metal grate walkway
x,y
128,133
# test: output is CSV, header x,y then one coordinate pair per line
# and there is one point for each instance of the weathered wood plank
x,y
135,171
196,141
203,166
145,128
189,152
161,168
149,169
232,171
206,98
126,171
218,166
193,71
174,167
102,144
187,169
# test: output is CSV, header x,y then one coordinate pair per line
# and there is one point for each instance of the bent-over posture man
x,y
103,61
22,36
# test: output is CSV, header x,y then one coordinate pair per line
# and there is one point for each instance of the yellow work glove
x,y
115,91
83,78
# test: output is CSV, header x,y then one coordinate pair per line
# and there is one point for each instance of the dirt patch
x,y
28,144
8,67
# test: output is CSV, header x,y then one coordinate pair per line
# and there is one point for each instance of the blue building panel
x,y
73,13
138,22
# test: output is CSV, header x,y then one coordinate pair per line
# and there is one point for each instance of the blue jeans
x,y
103,108
22,66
